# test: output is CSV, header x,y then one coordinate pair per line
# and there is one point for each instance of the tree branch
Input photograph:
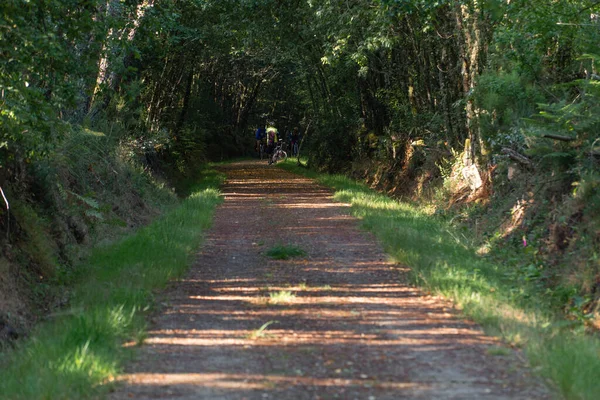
x,y
558,137
521,159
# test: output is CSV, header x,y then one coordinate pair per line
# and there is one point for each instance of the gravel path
x,y
337,323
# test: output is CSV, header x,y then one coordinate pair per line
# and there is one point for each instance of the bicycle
x,y
278,153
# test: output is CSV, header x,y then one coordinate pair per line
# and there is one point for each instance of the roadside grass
x,y
281,297
261,332
77,352
285,252
444,261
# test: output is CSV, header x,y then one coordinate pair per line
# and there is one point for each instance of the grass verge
x,y
78,352
443,261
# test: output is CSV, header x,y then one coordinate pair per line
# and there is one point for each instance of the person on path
x,y
271,139
259,135
295,141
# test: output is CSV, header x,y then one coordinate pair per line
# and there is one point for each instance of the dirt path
x,y
352,330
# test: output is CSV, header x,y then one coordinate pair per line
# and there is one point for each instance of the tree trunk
x,y
468,21
186,103
108,76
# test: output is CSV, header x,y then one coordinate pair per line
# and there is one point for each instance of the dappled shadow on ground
x,y
338,322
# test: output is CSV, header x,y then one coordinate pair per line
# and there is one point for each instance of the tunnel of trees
x,y
396,92
371,78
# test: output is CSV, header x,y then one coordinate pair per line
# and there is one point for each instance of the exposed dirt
x,y
353,328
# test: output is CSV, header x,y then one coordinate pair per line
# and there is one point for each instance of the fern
x,y
93,207
95,214
86,200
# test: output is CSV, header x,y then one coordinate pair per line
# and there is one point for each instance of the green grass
x,y
443,260
281,297
285,252
79,349
498,351
261,332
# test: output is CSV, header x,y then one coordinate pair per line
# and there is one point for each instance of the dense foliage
x,y
404,92
197,70
416,97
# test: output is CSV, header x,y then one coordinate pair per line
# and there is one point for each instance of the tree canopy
x,y
200,75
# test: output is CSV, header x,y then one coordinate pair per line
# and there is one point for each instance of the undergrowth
x,y
79,350
444,260
92,188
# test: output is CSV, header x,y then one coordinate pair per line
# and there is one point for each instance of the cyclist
x,y
271,139
259,135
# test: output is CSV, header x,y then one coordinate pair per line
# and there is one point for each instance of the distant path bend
x,y
339,322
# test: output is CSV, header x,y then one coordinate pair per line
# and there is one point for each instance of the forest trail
x,y
343,322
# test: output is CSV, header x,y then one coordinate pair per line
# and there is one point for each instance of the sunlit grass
x,y
261,332
444,261
77,352
281,297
